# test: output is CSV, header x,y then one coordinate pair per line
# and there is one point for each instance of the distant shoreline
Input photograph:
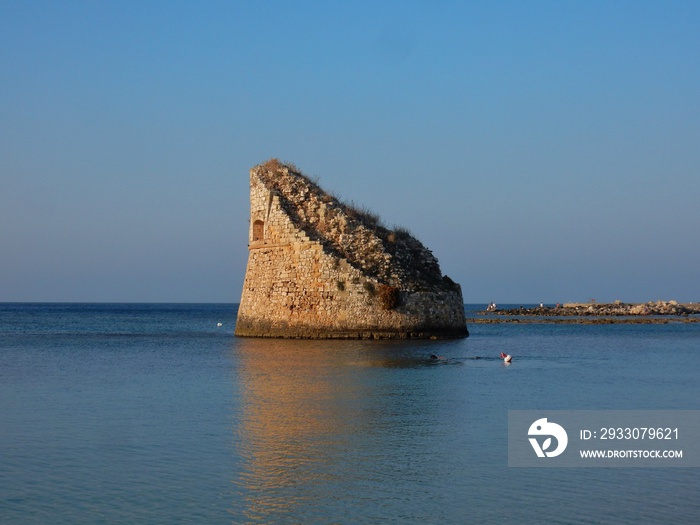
x,y
583,320
653,312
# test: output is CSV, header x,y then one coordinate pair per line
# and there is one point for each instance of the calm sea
x,y
150,414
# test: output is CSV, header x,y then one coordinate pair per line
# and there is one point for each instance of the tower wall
x,y
296,287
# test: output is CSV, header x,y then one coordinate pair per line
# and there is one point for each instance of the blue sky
x,y
545,151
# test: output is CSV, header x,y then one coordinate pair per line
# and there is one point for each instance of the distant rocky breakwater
x,y
653,312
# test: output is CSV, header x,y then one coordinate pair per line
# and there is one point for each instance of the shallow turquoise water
x,y
154,414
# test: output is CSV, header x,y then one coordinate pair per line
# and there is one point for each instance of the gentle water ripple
x,y
155,414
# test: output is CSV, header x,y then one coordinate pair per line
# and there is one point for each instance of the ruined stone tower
x,y
320,269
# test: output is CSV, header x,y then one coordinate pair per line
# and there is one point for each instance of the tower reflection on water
x,y
324,425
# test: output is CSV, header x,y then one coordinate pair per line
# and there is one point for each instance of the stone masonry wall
x,y
297,286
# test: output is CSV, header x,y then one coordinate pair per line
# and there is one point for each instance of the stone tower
x,y
318,268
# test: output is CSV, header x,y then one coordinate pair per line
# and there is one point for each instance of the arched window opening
x,y
258,228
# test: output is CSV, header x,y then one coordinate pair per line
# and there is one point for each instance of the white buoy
x,y
219,324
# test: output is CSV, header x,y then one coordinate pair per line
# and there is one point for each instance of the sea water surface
x,y
155,414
